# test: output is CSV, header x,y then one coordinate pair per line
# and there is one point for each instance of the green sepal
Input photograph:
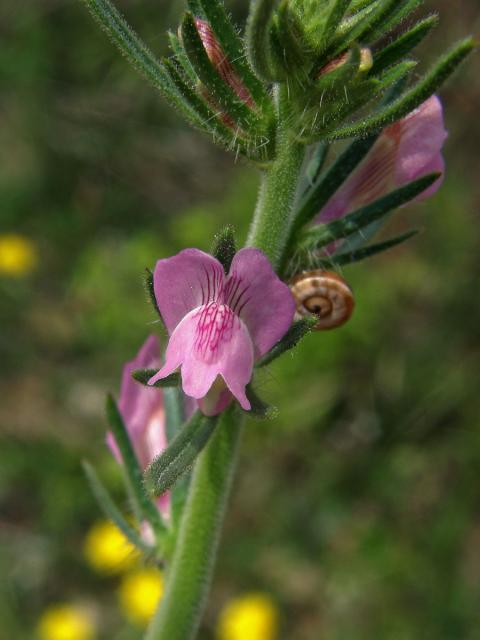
x,y
338,9
219,90
224,247
328,184
316,163
144,375
257,38
411,99
149,286
400,47
181,57
324,234
259,408
233,47
133,473
395,13
297,331
110,509
342,258
173,400
337,79
180,454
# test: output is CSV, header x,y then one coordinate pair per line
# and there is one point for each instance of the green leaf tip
x,y
297,332
144,375
224,247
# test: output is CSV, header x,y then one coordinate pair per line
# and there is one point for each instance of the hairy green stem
x,y
272,220
189,576
190,573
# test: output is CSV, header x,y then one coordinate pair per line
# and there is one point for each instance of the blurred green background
x,y
358,508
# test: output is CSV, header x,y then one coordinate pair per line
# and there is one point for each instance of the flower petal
x,y
255,293
208,342
422,137
184,282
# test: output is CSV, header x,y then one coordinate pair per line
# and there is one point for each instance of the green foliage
x,y
144,507
179,456
258,43
144,375
224,247
110,510
297,332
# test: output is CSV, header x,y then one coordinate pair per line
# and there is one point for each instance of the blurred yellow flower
x,y
18,255
65,622
140,593
107,550
249,617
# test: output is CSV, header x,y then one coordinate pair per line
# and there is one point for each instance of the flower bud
x,y
366,62
221,63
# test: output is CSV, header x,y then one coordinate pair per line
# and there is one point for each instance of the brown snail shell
x,y
324,294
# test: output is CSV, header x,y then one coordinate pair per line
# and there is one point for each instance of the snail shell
x,y
324,294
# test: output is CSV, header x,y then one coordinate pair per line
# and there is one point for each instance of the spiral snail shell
x,y
324,294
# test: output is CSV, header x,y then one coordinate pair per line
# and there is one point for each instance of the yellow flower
x,y
18,255
107,550
140,593
249,617
65,622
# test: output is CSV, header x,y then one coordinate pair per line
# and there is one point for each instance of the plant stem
x,y
190,573
271,224
193,561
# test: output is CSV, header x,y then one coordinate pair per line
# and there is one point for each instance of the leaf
x,y
131,467
220,91
394,15
180,454
338,9
258,408
224,247
402,45
110,510
257,39
149,286
144,375
334,177
316,163
345,258
411,99
233,48
173,400
297,331
182,58
323,235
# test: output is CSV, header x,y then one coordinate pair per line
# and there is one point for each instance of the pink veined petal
x,y
183,282
255,293
208,342
422,136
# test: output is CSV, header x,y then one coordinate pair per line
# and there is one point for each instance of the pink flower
x,y
405,151
143,413
219,324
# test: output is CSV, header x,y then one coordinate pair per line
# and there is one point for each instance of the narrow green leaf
x,y
373,16
181,57
224,247
335,176
257,37
180,454
338,9
359,5
110,509
173,400
402,45
221,92
316,163
344,258
151,292
322,235
297,331
144,375
259,408
396,13
233,48
131,467
411,99
394,74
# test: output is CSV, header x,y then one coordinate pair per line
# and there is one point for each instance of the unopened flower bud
x,y
222,64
